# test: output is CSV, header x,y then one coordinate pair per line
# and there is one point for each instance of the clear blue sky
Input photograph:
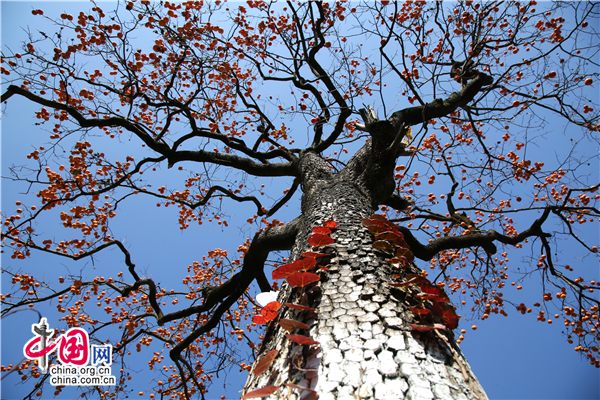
x,y
514,357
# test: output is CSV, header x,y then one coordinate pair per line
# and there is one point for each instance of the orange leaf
x,y
301,339
262,392
291,324
318,240
264,362
301,279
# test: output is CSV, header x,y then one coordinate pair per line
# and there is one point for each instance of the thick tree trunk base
x,y
367,350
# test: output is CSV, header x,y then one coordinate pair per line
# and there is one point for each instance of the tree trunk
x,y
367,347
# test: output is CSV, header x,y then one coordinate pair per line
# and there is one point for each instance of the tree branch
x,y
244,164
485,240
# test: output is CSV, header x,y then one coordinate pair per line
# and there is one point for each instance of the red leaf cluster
x,y
295,272
439,299
387,237
286,270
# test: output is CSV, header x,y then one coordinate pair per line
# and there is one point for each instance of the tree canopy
x,y
225,111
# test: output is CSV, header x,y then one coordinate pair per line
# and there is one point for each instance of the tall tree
x,y
231,94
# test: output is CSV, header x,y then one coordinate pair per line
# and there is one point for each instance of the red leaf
x,y
382,245
301,339
268,313
300,387
299,307
330,224
430,289
414,279
391,236
379,217
420,311
264,362
283,272
272,306
304,264
385,221
434,298
291,324
313,254
427,327
322,230
447,313
297,266
317,240
374,226
301,279
397,260
406,253
262,392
